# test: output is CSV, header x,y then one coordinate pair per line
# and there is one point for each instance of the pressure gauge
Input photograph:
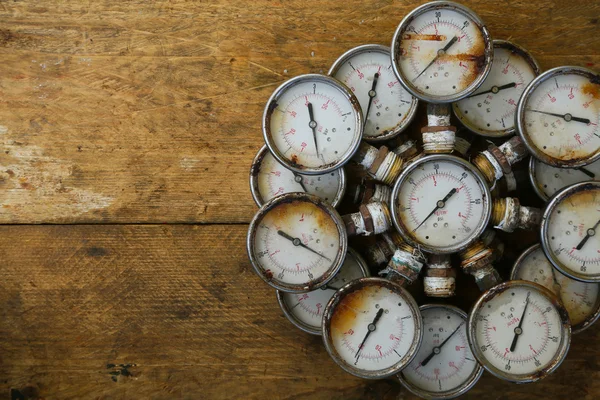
x,y
444,367
387,107
441,52
372,328
519,331
569,226
312,124
268,178
440,203
490,111
296,242
581,299
305,310
547,180
558,117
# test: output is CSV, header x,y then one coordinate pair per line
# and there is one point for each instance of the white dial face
x,y
491,109
307,308
442,204
579,298
274,179
518,331
572,233
386,105
452,41
550,180
314,125
296,243
373,328
561,118
444,361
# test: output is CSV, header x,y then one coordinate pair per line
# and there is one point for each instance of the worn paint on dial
x,y
549,180
581,299
491,109
388,344
453,366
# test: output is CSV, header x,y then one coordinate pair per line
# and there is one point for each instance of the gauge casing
x,y
534,168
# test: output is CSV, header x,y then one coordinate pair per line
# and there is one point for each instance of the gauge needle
x,y
587,172
370,328
372,94
440,52
518,329
495,89
298,178
298,242
567,117
438,349
313,125
590,232
438,205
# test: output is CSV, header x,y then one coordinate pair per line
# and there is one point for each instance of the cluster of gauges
x,y
519,330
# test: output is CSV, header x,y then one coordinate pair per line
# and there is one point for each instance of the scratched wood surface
x,y
136,112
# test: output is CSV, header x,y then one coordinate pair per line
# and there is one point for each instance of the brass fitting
x,y
380,252
496,162
476,260
371,219
369,191
508,214
440,277
381,164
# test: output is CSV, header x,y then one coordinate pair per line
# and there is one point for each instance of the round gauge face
x,y
558,117
519,331
569,231
387,107
444,366
305,310
581,299
372,328
547,180
441,204
296,242
441,53
490,110
269,179
312,124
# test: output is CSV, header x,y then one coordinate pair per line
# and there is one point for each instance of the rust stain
x,y
294,159
348,308
591,89
289,212
409,36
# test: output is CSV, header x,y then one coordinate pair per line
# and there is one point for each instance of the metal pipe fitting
x,y
438,135
440,277
371,219
476,260
405,266
508,214
381,164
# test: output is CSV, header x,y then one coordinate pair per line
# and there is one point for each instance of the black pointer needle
x,y
372,94
437,350
590,232
313,125
298,178
439,204
587,172
439,53
298,242
494,89
370,328
567,117
518,329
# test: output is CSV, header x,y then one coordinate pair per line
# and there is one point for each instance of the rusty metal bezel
x,y
377,48
356,285
590,320
552,204
520,116
255,171
311,329
452,393
486,199
333,268
344,91
516,49
488,52
565,332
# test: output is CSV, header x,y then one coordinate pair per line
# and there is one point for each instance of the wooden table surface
x,y
127,132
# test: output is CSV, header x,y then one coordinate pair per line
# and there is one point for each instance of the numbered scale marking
x,y
441,52
305,310
569,231
490,110
312,124
547,180
581,299
558,117
440,203
372,328
387,107
519,331
444,367
297,242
